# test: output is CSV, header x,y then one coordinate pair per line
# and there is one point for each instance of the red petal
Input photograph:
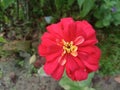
x,y
49,45
55,30
49,67
71,64
69,28
57,74
79,29
54,68
85,29
91,41
80,74
44,50
70,33
54,56
66,22
75,69
79,40
49,39
90,56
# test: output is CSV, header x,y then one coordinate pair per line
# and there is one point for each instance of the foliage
x,y
103,13
34,10
2,40
107,13
71,85
6,3
110,60
85,6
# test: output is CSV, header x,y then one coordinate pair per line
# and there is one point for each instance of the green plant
x,y
2,40
81,85
110,60
85,7
107,13
31,10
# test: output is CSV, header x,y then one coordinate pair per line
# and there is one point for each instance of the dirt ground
x,y
13,78
106,83
19,79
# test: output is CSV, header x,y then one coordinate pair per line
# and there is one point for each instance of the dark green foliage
x,y
32,10
85,6
110,60
107,13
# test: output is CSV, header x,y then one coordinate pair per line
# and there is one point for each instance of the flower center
x,y
70,48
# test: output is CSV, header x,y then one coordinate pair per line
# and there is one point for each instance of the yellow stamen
x,y
70,48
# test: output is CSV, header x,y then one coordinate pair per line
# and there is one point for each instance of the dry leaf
x,y
32,59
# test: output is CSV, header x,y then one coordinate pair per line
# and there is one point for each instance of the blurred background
x,y
22,22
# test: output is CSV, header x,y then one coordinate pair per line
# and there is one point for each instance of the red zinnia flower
x,y
70,45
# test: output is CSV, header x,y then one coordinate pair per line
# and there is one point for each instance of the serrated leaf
x,y
32,59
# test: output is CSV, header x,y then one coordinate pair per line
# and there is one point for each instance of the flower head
x,y
70,45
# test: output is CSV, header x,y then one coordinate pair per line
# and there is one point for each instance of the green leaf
x,y
41,72
42,2
59,4
7,3
70,2
99,24
2,40
87,82
117,23
107,20
80,2
68,84
87,6
116,16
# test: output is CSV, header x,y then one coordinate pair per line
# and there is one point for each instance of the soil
x,y
19,79
106,83
14,78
